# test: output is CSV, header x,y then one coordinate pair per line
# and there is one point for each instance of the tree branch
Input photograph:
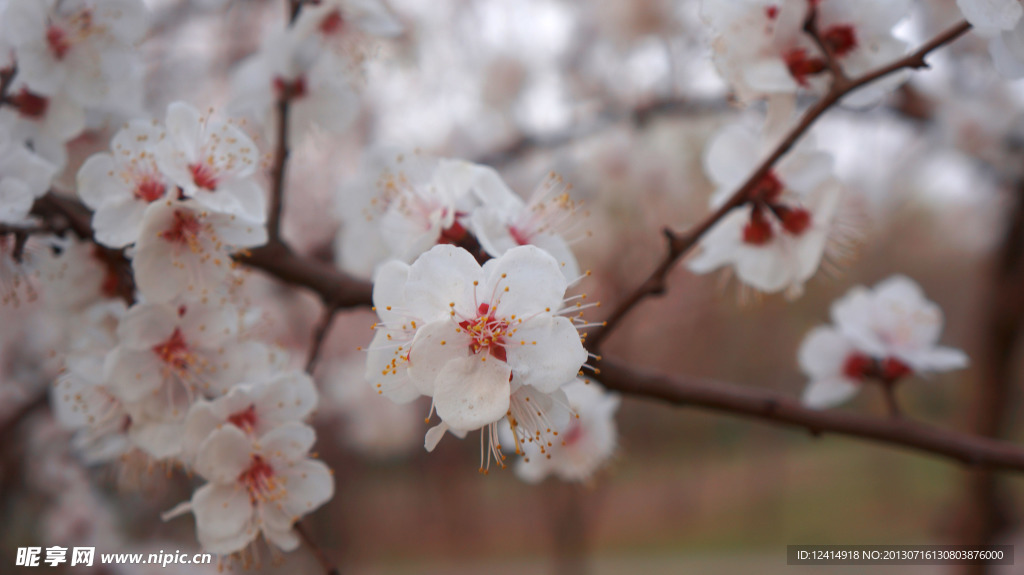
x,y
681,244
333,286
782,410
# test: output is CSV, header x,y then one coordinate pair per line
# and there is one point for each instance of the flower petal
x,y
472,392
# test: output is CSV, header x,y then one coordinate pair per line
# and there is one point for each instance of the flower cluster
x,y
310,66
404,204
883,334
73,57
1003,22
763,49
162,363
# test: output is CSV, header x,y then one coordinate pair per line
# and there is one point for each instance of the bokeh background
x,y
620,98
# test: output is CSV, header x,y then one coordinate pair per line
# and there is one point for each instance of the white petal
x,y
443,275
824,352
545,353
526,280
1000,14
288,443
224,455
472,392
310,485
435,345
223,518
15,201
828,393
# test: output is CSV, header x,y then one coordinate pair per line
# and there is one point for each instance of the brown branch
x,y
681,244
332,285
321,557
278,170
19,414
781,410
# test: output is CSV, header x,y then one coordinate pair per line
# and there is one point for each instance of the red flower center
x,y
184,228
258,479
858,366
290,90
453,234
758,230
801,65
174,351
519,237
204,176
30,105
245,419
486,331
841,40
150,188
57,40
333,23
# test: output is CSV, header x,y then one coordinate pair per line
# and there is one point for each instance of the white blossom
x,y
776,239
503,221
120,185
47,123
184,249
255,407
316,85
24,176
83,48
401,206
331,19
762,50
213,162
168,356
486,341
585,445
883,334
256,486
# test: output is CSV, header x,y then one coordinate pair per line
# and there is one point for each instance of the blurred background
x,y
620,98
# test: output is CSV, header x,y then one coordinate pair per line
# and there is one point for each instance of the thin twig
x,y
889,389
7,426
320,335
839,76
279,166
321,557
783,410
6,81
681,244
278,170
